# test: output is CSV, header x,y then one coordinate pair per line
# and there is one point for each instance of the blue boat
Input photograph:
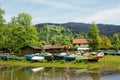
x,y
29,56
70,57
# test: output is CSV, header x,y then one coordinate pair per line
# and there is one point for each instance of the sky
x,y
62,11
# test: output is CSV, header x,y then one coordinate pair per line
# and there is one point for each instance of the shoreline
x,y
106,62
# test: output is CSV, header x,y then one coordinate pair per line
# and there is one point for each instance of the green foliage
x,y
24,19
2,20
106,43
55,34
94,38
116,41
18,33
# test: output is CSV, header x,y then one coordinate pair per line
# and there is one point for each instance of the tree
x,y
116,41
19,32
2,30
52,34
2,20
94,38
24,19
106,43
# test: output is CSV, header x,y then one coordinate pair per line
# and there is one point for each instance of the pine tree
x,y
94,38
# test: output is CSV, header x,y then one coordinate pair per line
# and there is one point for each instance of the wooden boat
x,y
95,59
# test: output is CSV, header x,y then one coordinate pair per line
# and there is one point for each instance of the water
x,y
54,73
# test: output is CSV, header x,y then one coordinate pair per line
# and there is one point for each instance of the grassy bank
x,y
107,61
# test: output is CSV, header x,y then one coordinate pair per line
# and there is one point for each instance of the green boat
x,y
3,57
81,58
56,57
48,58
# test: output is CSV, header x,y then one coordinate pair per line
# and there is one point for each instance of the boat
x,y
60,56
3,57
81,58
86,54
28,56
100,55
34,57
56,57
70,57
95,59
37,58
48,58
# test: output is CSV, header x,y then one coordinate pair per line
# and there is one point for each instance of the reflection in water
x,y
95,76
53,73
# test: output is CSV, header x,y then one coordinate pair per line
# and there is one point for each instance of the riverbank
x,y
107,61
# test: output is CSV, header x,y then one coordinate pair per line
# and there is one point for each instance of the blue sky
x,y
62,11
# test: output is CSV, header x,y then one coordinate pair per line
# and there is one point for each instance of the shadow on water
x,y
54,73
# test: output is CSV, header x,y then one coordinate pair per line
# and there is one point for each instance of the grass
x,y
107,61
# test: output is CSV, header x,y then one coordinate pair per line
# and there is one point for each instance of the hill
x,y
84,27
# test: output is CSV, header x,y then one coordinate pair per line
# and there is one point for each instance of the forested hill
x,y
83,27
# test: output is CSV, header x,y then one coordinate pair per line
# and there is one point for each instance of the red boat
x,y
93,59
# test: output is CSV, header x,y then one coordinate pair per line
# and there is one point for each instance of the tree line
x,y
97,41
20,31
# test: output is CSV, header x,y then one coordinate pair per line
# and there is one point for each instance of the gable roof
x,y
33,47
80,41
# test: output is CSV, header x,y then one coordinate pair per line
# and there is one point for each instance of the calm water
x,y
53,73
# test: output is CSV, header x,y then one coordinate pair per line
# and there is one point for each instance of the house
x,y
81,44
30,49
55,48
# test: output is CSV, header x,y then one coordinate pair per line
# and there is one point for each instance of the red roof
x,y
80,41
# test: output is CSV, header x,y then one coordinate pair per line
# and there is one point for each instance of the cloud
x,y
52,3
109,16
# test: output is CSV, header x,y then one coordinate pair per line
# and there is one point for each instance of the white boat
x,y
37,58
37,69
